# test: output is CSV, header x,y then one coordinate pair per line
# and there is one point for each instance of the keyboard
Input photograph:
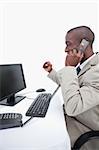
x,y
39,106
10,120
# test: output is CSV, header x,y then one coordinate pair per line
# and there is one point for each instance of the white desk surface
x,y
47,133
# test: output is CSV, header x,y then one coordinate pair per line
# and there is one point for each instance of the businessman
x,y
79,84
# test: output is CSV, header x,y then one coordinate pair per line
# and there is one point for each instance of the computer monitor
x,y
11,81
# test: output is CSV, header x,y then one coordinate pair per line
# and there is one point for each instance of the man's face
x,y
71,41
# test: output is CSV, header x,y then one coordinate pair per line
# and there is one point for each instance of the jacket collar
x,y
94,61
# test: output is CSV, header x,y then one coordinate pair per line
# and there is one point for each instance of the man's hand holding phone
x,y
73,58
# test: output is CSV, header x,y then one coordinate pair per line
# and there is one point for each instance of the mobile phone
x,y
83,45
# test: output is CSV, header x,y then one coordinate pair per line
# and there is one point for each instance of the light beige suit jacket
x,y
81,98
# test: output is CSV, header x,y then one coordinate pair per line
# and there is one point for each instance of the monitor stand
x,y
12,100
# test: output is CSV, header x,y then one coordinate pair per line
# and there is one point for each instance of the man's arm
x,y
53,75
77,98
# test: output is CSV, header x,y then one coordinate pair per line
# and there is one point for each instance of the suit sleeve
x,y
76,99
53,75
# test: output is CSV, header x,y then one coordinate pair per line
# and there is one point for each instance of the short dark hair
x,y
84,32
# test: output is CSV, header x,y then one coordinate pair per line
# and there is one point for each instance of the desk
x,y
47,133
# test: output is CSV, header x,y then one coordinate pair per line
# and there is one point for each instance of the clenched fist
x,y
47,66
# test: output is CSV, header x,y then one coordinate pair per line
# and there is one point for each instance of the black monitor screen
x,y
11,81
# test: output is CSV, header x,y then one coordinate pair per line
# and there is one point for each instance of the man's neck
x,y
86,56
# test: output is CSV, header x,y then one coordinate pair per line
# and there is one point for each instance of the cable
x,y
26,121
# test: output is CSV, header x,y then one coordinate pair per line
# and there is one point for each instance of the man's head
x,y
75,36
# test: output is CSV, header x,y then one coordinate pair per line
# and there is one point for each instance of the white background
x,y
32,32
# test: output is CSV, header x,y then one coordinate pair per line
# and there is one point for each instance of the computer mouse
x,y
40,90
